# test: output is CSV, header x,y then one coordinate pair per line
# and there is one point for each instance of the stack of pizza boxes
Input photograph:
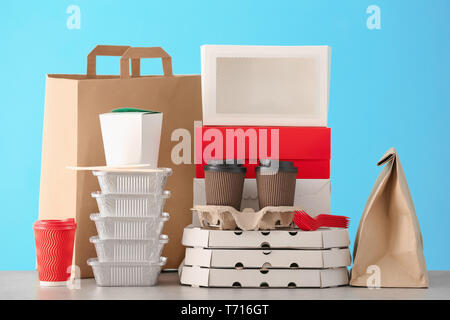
x,y
265,102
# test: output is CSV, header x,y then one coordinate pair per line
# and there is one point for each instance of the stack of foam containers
x,y
129,225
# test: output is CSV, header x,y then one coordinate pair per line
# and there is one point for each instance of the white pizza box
x,y
274,278
262,258
313,195
265,85
323,238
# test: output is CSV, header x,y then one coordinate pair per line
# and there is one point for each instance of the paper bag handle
x,y
136,54
103,50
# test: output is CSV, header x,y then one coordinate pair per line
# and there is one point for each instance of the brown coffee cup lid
x,y
276,165
229,165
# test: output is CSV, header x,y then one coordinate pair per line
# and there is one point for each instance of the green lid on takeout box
x,y
133,110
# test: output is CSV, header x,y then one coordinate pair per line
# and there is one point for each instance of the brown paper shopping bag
x,y
388,248
72,136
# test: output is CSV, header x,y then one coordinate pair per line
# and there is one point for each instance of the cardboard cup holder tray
x,y
116,250
228,218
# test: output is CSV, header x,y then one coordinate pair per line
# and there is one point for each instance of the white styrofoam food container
x,y
131,205
274,278
277,258
132,182
129,250
313,195
126,274
129,227
131,138
265,85
323,238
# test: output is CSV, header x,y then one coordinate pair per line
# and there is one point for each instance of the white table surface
x,y
25,285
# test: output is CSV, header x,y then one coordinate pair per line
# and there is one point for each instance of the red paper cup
x,y
54,250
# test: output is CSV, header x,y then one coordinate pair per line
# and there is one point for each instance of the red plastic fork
x,y
305,222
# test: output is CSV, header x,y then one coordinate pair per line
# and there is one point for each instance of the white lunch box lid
x,y
265,85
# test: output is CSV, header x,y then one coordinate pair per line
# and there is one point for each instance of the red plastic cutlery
x,y
305,222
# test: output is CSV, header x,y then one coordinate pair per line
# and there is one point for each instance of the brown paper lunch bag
x,y
389,241
72,137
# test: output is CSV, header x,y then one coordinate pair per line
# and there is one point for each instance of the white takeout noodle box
x,y
131,137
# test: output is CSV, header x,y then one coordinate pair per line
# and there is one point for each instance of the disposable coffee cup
x,y
54,250
275,181
131,137
224,183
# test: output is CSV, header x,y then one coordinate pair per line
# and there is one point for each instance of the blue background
x,y
389,87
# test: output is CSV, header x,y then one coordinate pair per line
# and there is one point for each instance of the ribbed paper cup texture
x,y
224,188
276,189
54,250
